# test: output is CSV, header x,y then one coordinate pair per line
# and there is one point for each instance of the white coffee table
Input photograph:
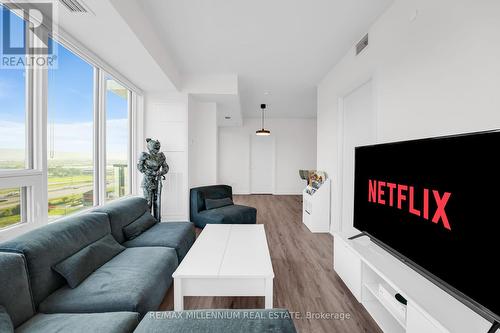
x,y
226,260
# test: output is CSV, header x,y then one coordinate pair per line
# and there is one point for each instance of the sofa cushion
x,y
6,325
116,322
135,280
122,212
177,235
218,321
234,214
77,267
15,293
140,225
199,194
48,245
217,203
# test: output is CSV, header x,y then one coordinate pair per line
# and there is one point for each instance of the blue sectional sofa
x,y
102,271
18,311
142,255
221,209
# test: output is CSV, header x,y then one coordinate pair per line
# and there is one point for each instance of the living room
x,y
230,166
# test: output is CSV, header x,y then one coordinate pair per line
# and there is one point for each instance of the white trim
x,y
139,140
340,169
101,162
19,173
39,196
295,193
131,137
28,107
96,137
274,164
130,111
33,184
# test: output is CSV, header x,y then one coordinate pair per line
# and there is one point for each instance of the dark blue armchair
x,y
228,213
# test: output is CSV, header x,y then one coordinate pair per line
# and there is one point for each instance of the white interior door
x,y
359,129
262,165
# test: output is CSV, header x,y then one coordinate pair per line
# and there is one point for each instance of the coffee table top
x,y
228,251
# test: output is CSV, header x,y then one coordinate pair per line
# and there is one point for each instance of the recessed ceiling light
x,y
267,93
227,117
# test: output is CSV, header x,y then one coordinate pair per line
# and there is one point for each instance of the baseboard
x,y
275,193
174,218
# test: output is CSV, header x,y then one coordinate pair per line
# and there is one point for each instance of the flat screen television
x,y
435,204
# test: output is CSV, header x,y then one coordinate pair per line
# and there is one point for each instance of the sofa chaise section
x,y
16,298
115,322
234,214
135,280
123,212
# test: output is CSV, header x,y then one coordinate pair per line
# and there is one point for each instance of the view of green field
x,y
10,208
70,188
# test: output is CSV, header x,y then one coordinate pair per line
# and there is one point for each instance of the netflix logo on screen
x,y
404,197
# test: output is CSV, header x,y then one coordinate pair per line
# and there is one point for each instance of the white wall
x,y
295,148
166,119
434,74
203,141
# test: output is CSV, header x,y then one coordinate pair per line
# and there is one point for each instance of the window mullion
x,y
37,196
26,195
101,138
96,136
29,102
131,138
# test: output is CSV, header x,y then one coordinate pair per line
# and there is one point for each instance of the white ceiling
x,y
283,47
107,34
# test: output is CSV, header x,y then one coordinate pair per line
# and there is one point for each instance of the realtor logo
x,y
26,30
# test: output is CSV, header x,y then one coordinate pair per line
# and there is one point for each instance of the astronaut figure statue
x,y
154,166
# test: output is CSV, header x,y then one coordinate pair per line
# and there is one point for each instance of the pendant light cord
x,y
262,118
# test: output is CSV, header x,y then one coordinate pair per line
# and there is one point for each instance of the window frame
x,y
131,133
34,177
95,110
28,178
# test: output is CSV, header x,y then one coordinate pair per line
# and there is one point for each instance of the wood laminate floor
x,y
304,282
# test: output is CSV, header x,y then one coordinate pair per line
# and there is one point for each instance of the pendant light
x,y
263,131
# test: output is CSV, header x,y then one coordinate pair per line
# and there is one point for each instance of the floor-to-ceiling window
x,y
70,139
117,140
14,122
65,132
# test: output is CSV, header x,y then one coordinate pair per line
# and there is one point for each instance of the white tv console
x,y
363,266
